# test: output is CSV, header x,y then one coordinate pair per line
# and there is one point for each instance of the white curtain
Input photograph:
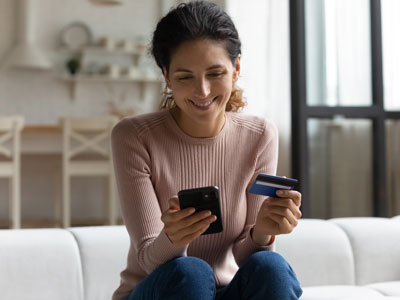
x,y
393,166
339,73
263,27
340,168
391,49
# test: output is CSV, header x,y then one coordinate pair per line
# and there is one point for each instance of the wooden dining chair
x,y
10,163
87,152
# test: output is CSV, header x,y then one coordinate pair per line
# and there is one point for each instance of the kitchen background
x,y
45,96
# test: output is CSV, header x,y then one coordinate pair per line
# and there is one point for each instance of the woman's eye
x,y
184,78
215,74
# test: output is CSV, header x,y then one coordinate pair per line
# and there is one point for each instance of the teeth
x,y
204,104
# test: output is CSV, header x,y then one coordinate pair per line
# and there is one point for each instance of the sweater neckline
x,y
195,140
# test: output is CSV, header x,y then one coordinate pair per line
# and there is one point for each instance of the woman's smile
x,y
203,104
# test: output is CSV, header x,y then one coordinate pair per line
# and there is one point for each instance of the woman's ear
x,y
236,71
166,77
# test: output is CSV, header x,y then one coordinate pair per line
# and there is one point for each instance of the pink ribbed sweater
x,y
154,159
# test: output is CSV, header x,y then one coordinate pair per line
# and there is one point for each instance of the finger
x,y
191,237
295,195
285,212
197,217
287,203
174,203
174,216
197,227
177,229
282,223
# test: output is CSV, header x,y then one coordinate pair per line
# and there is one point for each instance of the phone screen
x,y
202,199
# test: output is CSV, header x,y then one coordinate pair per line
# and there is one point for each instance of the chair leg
x,y
112,218
15,205
66,201
57,200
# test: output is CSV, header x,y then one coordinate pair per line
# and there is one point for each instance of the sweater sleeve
x,y
140,208
266,162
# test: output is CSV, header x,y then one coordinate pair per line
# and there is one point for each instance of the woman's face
x,y
201,76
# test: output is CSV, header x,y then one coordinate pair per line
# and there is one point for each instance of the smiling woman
x,y
200,140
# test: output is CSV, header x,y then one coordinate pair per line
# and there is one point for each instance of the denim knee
x,y
268,264
271,268
192,278
179,278
190,268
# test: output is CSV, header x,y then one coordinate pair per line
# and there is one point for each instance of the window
x,y
345,106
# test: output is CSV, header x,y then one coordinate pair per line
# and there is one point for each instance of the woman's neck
x,y
198,129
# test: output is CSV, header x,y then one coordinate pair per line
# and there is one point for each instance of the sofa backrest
x,y
103,250
39,264
376,246
319,252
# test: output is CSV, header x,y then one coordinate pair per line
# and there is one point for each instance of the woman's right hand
x,y
184,226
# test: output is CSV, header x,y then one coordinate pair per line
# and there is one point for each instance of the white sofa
x,y
348,258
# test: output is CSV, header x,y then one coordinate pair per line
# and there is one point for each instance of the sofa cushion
x,y
376,247
39,264
104,251
336,292
391,288
371,298
319,252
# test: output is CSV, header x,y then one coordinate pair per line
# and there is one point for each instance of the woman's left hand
x,y
277,215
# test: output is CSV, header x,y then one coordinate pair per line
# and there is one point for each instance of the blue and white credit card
x,y
267,185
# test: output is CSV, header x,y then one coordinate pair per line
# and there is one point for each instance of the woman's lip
x,y
203,103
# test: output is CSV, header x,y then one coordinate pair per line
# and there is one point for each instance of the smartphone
x,y
201,199
267,185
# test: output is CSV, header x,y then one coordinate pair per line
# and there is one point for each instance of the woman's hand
x,y
277,215
184,226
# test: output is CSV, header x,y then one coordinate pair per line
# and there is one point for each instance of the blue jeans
x,y
265,275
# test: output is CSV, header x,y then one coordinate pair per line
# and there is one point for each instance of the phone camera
x,y
209,196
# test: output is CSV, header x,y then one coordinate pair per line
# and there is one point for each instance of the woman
x,y
198,140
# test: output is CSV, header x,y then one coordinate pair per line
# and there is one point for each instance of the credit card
x,y
267,185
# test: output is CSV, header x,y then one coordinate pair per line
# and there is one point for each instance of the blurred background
x,y
325,71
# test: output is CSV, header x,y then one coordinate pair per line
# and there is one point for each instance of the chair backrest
x,y
87,135
10,132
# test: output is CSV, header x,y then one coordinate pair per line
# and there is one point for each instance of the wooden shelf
x,y
105,78
137,60
103,50
74,80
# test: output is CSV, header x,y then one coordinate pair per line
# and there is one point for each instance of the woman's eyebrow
x,y
182,70
208,69
215,67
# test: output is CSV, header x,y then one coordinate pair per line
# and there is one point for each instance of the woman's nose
x,y
202,87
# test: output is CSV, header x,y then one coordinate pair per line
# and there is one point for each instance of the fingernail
x,y
280,193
